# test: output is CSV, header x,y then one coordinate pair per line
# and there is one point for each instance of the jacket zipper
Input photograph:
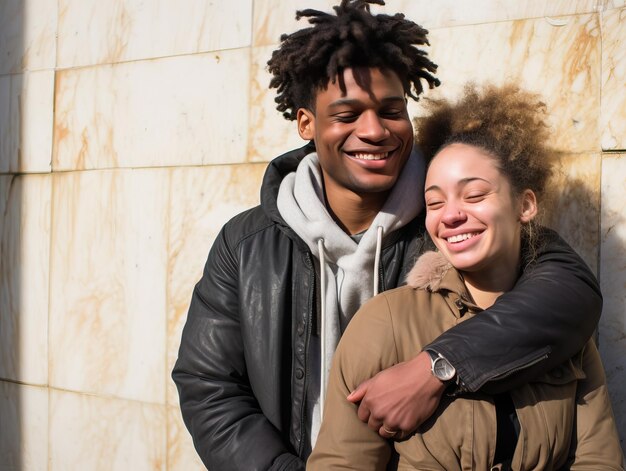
x,y
543,356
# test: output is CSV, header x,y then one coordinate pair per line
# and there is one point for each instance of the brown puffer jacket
x,y
565,416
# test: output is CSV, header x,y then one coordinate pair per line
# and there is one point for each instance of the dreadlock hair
x,y
310,58
507,123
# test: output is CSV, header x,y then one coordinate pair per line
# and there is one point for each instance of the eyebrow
x,y
463,181
355,102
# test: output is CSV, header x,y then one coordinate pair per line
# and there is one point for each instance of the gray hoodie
x,y
348,269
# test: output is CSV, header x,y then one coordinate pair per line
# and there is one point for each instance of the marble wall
x,y
131,131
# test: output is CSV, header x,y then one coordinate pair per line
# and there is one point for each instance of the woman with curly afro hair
x,y
489,161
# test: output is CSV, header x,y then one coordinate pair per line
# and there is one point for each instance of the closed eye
x,y
475,197
392,113
434,204
346,117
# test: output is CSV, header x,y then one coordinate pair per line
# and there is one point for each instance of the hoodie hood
x,y
276,171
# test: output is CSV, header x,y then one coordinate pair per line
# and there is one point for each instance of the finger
x,y
359,393
388,433
376,424
363,412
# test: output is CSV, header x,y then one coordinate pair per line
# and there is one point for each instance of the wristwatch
x,y
441,368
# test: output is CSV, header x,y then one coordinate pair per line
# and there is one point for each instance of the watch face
x,y
443,370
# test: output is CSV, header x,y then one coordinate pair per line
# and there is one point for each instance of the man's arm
x,y
228,428
548,317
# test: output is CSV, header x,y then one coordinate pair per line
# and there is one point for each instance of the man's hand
x,y
397,400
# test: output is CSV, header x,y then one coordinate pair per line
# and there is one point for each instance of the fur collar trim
x,y
428,272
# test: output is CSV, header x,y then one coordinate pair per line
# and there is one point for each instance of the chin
x,y
375,187
463,263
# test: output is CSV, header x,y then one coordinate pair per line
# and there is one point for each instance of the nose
x,y
453,214
371,127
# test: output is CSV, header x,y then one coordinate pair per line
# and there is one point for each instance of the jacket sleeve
x,y
228,428
366,347
545,319
595,442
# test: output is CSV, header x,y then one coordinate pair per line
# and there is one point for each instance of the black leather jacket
x,y
242,367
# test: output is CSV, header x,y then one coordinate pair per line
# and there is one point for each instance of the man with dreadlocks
x,y
341,219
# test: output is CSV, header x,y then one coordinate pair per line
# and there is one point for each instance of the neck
x,y
354,213
486,286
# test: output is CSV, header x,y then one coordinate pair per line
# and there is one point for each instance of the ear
x,y
306,124
529,206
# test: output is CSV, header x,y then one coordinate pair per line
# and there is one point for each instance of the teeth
x,y
363,156
460,238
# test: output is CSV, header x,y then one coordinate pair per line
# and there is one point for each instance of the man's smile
x,y
370,156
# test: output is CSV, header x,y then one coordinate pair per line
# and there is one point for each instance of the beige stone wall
x,y
130,131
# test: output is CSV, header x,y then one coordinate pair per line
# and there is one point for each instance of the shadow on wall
x,y
10,308
571,206
574,209
11,218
